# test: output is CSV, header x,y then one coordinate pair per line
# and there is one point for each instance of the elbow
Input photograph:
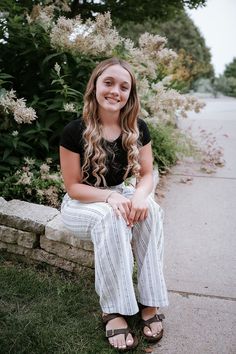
x,y
72,191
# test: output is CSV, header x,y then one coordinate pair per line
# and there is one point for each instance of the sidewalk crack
x,y
187,294
201,176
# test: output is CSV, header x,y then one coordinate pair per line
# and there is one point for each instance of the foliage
x,y
194,58
169,144
230,70
138,10
226,85
51,58
34,182
32,75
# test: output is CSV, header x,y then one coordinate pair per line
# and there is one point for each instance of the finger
x,y
137,216
131,217
146,214
127,207
116,211
124,214
143,215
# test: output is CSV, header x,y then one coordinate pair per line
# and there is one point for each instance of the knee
x,y
155,211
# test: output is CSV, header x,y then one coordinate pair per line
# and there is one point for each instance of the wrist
x,y
140,194
109,195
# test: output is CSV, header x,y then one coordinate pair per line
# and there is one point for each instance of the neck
x,y
109,118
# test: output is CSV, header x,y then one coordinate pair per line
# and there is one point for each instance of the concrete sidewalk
x,y
200,244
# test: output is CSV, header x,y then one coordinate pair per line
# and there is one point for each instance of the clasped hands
x,y
132,210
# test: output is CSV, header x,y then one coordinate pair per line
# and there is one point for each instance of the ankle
x,y
149,311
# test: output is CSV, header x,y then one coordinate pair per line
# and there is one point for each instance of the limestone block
x,y
49,258
22,238
56,231
28,240
8,234
41,256
26,216
14,248
2,202
68,252
3,245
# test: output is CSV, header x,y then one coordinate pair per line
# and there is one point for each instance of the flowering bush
x,y
151,61
57,55
34,182
17,107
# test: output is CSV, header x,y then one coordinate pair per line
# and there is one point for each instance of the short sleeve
x,y
71,137
145,136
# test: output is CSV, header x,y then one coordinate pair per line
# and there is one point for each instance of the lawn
x,y
44,310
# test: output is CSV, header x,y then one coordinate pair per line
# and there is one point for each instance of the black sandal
x,y
146,323
113,332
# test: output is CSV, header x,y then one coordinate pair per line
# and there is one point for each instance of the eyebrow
x,y
112,78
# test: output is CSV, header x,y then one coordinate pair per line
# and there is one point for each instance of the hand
x,y
120,205
139,210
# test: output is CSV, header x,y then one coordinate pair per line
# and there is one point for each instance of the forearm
x,y
88,194
145,186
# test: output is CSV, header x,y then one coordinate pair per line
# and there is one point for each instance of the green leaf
x,y
5,76
49,57
6,153
44,143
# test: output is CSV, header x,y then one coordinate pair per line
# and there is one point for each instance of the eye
x,y
124,88
107,83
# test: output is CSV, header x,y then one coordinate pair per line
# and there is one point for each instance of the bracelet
x,y
108,196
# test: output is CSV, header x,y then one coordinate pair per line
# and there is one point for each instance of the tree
x,y
230,70
226,83
138,10
123,10
184,37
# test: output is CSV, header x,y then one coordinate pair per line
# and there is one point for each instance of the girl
x,y
98,152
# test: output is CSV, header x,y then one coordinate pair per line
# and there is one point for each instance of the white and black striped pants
x,y
113,252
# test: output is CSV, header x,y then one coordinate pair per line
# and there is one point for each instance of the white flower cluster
x,y
40,181
98,37
164,103
17,107
92,37
69,107
44,15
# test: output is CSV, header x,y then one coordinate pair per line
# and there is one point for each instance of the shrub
x,y
226,85
46,59
34,182
169,144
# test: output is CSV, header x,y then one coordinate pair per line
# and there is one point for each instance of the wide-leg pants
x,y
114,246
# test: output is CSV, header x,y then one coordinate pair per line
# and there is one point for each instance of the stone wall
x,y
36,233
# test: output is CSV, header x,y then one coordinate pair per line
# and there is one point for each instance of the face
x,y
113,89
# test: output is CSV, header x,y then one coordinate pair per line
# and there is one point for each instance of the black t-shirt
x,y
116,163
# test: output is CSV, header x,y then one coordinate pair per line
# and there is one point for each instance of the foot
x,y
119,341
155,327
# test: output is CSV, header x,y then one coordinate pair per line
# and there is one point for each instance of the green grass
x,y
44,311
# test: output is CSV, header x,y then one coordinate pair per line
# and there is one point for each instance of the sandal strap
x,y
115,332
156,318
109,317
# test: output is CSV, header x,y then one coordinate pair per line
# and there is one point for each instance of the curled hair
x,y
94,153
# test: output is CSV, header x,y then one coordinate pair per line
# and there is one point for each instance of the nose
x,y
115,90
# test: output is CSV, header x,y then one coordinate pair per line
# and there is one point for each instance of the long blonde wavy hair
x,y
94,152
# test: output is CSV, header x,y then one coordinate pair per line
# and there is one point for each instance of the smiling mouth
x,y
112,100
